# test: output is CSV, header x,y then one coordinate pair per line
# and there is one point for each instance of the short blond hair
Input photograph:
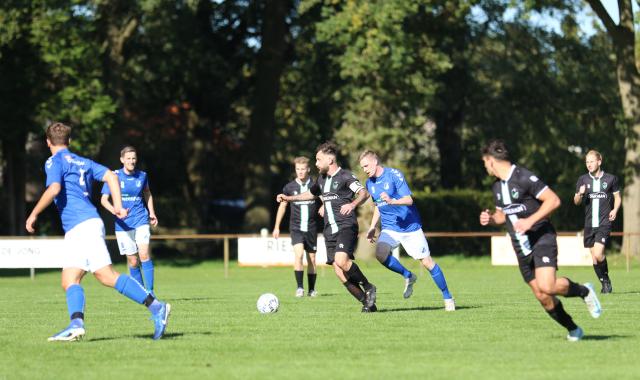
x,y
301,160
369,153
594,153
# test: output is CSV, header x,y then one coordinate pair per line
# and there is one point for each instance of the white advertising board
x,y
571,251
259,251
36,253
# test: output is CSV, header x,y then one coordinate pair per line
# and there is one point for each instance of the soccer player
x,y
69,182
400,223
524,203
602,193
337,188
133,233
302,225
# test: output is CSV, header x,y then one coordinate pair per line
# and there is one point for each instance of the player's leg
x,y
298,268
601,267
127,247
98,261
386,243
311,273
74,293
416,245
542,287
310,247
142,240
355,277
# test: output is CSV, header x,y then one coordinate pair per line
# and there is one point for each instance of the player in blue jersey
x,y
133,232
524,203
69,183
401,224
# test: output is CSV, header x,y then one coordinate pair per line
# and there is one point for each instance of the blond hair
x,y
369,153
301,160
594,153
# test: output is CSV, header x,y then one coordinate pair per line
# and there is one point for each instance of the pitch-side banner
x,y
570,251
36,253
262,251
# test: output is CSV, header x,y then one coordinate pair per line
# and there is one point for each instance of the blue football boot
x,y
160,320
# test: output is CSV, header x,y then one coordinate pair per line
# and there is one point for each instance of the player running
x,y
337,188
524,203
400,223
69,181
602,202
133,232
302,225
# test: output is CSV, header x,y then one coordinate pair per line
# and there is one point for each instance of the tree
x,y
259,143
624,41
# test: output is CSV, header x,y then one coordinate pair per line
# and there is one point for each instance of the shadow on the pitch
x,y
424,308
146,336
189,299
604,337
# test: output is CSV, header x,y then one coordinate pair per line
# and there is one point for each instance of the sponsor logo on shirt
x,y
72,161
599,195
330,197
514,208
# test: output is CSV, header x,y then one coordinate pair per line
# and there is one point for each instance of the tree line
x,y
219,96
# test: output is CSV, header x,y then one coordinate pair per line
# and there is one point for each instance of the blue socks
x,y
136,274
131,288
147,272
75,301
393,264
438,278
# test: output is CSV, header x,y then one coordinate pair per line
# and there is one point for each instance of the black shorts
x,y
345,240
543,254
596,235
309,239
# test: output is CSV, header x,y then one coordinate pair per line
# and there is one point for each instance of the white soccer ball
x,y
268,303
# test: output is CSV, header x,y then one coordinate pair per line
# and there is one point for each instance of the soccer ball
x,y
268,303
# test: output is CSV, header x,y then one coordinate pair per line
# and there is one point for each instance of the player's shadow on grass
x,y
148,336
424,308
604,337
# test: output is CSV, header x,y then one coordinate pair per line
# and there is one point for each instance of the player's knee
x,y
546,289
382,252
133,261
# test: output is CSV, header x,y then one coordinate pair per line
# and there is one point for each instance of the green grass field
x,y
215,331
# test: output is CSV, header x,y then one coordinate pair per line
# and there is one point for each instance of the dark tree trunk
x,y
258,196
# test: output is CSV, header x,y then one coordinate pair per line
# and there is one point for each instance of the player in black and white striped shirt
x,y
302,225
525,203
601,194
341,194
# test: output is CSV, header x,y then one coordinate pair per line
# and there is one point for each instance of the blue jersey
x,y
75,174
395,218
132,187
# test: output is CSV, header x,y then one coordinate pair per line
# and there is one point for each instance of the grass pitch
x,y
215,331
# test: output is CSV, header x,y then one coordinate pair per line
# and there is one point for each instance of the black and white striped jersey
x,y
598,198
336,191
517,197
303,213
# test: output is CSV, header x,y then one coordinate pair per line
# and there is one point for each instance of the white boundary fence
x,y
255,250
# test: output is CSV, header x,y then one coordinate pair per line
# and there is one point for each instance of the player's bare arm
x,y
114,186
361,196
45,200
279,215
577,199
104,201
550,202
617,201
306,196
407,200
371,234
494,219
153,220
